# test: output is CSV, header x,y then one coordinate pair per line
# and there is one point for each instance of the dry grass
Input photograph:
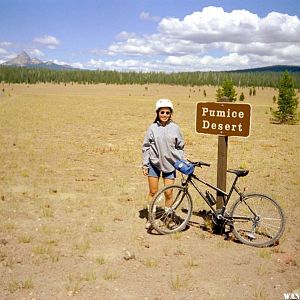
x,y
71,190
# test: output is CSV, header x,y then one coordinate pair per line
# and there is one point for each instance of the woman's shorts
x,y
154,172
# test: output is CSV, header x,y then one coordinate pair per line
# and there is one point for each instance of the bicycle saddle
x,y
239,173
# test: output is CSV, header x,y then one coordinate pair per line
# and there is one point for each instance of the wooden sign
x,y
223,118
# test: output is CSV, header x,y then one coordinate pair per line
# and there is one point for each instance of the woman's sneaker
x,y
148,225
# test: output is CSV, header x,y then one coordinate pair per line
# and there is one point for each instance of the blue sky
x,y
153,35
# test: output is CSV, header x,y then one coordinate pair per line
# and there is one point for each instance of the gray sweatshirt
x,y
162,146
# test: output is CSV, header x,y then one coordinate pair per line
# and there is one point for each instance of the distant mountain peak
x,y
24,55
24,60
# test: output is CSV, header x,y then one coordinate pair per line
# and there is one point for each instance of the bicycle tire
x,y
169,220
265,224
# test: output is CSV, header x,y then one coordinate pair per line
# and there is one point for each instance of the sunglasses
x,y
164,112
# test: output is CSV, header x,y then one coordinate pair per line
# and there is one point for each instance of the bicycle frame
x,y
226,196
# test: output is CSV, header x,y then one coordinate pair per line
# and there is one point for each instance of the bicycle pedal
x,y
251,235
219,217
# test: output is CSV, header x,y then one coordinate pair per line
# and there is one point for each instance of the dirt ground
x,y
72,196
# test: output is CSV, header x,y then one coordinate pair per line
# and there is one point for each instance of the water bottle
x,y
210,198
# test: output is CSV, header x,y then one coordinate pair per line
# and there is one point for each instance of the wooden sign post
x,y
223,119
222,164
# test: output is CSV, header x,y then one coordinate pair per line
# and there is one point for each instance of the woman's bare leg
x,y
153,187
169,193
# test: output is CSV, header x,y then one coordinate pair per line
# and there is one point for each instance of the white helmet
x,y
164,103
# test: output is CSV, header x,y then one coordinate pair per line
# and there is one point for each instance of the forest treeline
x,y
10,74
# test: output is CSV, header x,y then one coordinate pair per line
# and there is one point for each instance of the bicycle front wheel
x,y
165,219
257,220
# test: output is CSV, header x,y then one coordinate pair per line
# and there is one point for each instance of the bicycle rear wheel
x,y
257,220
170,219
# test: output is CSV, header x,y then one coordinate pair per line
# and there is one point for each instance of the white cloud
x,y
6,44
126,65
36,52
3,51
77,65
7,56
171,63
207,62
184,63
59,62
49,41
155,44
279,27
213,24
145,16
115,64
98,51
124,35
213,39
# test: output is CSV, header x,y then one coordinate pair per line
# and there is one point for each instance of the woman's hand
x,y
145,171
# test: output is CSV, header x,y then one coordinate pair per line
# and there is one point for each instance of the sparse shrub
x,y
95,228
83,246
14,285
74,286
265,253
150,262
25,239
260,294
100,260
27,284
175,283
41,250
178,283
48,211
191,263
89,276
176,235
110,275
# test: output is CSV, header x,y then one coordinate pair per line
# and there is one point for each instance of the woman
x,y
163,145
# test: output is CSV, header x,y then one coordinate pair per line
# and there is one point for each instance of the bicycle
x,y
255,219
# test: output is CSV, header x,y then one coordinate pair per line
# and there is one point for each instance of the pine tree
x,y
219,94
242,97
287,101
228,90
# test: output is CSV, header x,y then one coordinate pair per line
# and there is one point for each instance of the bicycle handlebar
x,y
199,163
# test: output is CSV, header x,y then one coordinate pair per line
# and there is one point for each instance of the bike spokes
x,y
257,220
171,219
